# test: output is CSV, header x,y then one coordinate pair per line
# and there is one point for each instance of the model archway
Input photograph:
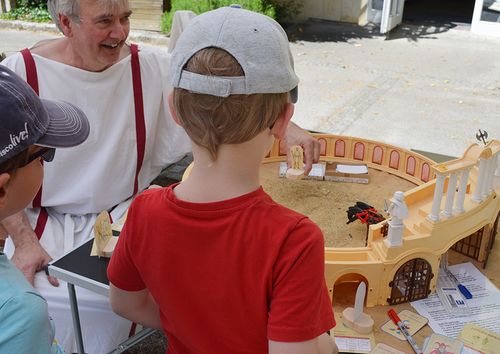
x,y
345,288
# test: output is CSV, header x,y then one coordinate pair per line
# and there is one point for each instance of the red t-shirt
x,y
227,276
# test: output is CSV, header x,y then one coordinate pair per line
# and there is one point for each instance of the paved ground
x,y
428,88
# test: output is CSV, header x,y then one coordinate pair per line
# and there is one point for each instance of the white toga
x,y
99,174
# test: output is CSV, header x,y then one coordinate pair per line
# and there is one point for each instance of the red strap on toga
x,y
140,126
32,79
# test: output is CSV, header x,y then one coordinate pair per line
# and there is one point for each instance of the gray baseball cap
x,y
27,120
257,42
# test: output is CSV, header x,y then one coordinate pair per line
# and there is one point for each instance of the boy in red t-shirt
x,y
213,260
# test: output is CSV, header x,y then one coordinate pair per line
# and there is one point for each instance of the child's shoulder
x,y
283,215
151,195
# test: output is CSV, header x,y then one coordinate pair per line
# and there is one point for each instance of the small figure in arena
x,y
296,171
397,209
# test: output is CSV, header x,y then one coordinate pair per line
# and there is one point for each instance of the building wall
x,y
354,11
147,14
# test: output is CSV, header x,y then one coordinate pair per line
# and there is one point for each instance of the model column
x,y
462,188
478,192
450,195
438,194
490,173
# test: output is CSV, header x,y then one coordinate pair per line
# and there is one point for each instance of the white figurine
x,y
398,211
296,171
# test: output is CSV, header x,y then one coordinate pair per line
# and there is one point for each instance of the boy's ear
x,y
281,124
171,108
4,179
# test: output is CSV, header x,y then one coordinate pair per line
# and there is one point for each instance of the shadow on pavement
x,y
315,30
329,31
417,30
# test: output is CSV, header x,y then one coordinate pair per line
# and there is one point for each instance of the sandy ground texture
x,y
326,202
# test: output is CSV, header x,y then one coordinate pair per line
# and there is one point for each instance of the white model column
x,y
497,171
438,194
462,188
477,196
488,186
450,195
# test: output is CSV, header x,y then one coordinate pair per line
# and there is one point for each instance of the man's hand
x,y
297,136
31,258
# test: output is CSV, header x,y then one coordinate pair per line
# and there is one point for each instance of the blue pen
x,y
465,292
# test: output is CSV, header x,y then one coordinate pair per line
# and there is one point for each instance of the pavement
x,y
426,87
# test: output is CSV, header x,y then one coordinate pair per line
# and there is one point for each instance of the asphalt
x,y
426,87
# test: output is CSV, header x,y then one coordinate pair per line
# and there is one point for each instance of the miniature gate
x,y
471,245
411,282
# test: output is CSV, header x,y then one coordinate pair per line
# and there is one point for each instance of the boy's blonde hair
x,y
211,121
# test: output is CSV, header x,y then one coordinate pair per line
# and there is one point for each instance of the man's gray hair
x,y
65,7
71,8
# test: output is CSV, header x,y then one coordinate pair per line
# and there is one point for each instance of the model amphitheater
x,y
451,205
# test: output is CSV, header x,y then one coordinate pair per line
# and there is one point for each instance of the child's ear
x,y
171,108
4,179
281,124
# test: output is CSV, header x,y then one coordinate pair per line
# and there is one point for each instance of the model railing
x,y
394,160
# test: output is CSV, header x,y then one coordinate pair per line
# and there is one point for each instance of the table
x,y
79,268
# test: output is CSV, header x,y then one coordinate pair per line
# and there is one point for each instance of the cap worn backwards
x,y
27,120
257,42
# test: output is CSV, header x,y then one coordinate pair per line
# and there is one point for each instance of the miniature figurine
x,y
296,171
104,242
398,211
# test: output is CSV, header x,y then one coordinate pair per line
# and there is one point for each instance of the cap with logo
x,y
257,42
26,120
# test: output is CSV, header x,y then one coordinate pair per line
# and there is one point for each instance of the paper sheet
x,y
349,341
412,321
484,306
479,340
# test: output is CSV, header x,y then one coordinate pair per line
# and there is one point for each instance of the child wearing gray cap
x,y
30,130
213,260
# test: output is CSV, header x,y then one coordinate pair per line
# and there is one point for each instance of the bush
x,y
29,10
199,6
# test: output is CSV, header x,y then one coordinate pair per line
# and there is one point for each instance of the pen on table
x,y
397,321
465,292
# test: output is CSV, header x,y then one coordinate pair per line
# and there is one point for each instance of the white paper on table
x,y
353,169
353,344
484,306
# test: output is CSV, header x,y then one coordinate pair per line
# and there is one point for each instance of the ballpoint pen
x,y
465,292
397,321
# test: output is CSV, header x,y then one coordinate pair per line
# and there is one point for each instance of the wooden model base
x,y
363,324
294,173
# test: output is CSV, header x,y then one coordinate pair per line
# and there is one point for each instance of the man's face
x,y
99,35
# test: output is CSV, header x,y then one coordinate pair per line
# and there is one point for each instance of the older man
x,y
122,90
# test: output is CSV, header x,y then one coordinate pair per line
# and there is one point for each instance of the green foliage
x,y
29,10
285,9
200,6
